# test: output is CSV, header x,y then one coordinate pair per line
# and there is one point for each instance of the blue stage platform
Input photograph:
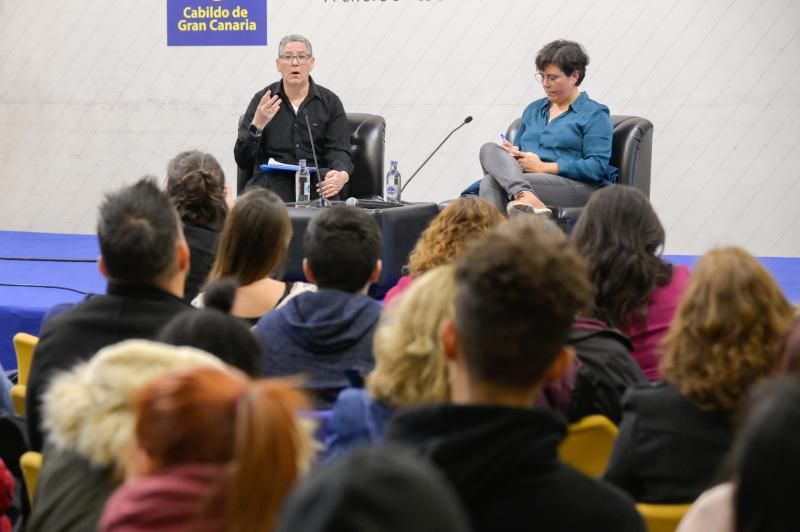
x,y
41,276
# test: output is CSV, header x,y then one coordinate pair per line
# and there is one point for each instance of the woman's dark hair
x,y
569,56
255,238
621,237
215,331
766,460
196,185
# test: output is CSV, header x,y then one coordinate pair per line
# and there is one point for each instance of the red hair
x,y
210,416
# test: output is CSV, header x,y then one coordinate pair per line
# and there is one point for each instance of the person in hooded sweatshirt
x,y
519,289
326,334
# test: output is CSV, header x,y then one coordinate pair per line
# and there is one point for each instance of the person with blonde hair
x,y
444,239
727,335
215,452
409,366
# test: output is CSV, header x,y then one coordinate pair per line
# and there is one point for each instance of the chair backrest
x,y
662,517
631,149
24,345
367,146
588,445
31,464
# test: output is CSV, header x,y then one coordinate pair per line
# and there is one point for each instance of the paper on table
x,y
272,164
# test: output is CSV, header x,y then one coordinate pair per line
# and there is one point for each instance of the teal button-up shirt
x,y
579,139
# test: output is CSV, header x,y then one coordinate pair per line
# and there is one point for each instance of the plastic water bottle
x,y
393,183
302,185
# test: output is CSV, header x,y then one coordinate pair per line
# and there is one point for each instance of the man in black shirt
x,y
274,126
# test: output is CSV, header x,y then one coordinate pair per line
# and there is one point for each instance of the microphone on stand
x,y
323,201
466,121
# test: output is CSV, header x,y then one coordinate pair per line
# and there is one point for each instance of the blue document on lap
x,y
272,164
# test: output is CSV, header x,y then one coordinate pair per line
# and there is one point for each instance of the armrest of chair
x,y
632,151
367,142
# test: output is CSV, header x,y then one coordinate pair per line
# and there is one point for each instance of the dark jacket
x,y
202,243
127,311
320,334
668,449
602,371
503,463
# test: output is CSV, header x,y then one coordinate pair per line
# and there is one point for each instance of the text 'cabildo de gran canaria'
x,y
215,19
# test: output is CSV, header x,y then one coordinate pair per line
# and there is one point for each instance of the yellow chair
x,y
31,464
24,345
588,445
662,517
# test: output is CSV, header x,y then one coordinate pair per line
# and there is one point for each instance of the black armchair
x,y
367,139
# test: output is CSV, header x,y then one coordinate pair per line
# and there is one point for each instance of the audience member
x,y
145,258
7,491
325,333
765,467
213,330
196,186
409,365
214,452
636,291
89,416
384,489
790,354
519,288
252,247
444,239
726,336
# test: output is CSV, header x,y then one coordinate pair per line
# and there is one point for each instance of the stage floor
x,y
40,270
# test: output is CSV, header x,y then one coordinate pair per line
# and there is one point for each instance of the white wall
x,y
91,97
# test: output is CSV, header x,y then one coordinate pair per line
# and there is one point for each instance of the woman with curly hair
x,y
636,291
196,186
445,238
727,335
410,368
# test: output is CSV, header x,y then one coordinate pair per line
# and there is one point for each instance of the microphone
x,y
466,121
351,201
323,201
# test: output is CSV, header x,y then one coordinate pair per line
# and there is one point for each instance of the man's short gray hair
x,y
294,37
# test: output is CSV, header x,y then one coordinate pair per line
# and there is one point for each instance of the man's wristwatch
x,y
254,130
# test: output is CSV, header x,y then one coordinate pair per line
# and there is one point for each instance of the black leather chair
x,y
367,139
631,152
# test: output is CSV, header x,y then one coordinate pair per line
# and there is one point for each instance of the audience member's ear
x,y
101,266
449,336
559,366
183,255
376,272
308,273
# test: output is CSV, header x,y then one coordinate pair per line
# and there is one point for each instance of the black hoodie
x,y
503,463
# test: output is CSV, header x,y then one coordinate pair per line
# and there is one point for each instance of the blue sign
x,y
216,22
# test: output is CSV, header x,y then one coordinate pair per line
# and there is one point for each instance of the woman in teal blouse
x,y
562,149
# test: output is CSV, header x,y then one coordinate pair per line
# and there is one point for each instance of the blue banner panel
x,y
216,22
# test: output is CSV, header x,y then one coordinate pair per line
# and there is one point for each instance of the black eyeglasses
x,y
301,58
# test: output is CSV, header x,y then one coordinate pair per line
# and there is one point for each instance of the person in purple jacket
x,y
561,151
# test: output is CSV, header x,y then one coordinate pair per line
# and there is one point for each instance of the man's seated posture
x,y
325,333
274,127
145,258
519,288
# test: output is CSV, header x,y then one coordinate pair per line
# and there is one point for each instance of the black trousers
x,y
282,184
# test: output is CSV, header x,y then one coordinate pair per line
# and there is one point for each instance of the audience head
x,y
213,330
621,238
208,416
140,236
254,239
89,409
766,460
410,367
196,185
377,488
519,289
445,238
727,331
568,56
342,247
